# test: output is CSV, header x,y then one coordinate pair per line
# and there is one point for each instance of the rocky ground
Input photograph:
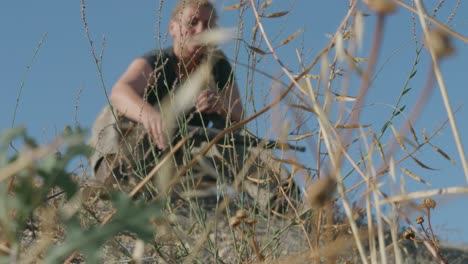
x,y
190,233
210,231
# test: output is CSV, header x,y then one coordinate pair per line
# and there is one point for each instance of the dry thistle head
x,y
321,192
241,214
420,220
440,42
383,7
250,221
234,221
408,234
5,247
428,203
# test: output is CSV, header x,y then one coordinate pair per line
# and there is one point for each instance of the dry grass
x,y
328,225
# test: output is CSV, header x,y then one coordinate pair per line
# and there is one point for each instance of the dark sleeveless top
x,y
164,63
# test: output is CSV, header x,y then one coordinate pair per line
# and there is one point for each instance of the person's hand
x,y
154,126
209,102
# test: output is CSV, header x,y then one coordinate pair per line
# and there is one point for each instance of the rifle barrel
x,y
211,133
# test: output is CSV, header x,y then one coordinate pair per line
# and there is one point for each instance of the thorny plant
x,y
428,234
330,226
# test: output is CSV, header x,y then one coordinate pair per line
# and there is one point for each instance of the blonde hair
x,y
182,4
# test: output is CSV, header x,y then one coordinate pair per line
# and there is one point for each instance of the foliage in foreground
x,y
43,219
39,196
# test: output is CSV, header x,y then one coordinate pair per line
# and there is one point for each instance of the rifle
x,y
248,139
199,134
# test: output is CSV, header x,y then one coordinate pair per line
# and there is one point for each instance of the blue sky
x,y
62,85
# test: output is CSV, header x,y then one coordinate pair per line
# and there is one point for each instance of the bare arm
x,y
127,97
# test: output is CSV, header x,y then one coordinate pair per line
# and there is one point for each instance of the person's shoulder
x,y
220,60
157,56
218,54
158,52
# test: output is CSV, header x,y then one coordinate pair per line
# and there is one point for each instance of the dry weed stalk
x,y
241,220
433,20
322,119
428,233
439,45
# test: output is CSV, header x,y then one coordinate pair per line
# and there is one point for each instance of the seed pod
x,y
234,221
241,214
428,203
320,192
250,221
381,6
408,234
440,42
420,220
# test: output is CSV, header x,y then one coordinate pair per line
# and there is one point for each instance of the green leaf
x,y
76,150
418,51
257,50
400,110
415,177
86,241
26,200
130,217
65,182
413,74
67,131
385,126
275,15
31,142
74,135
9,135
420,163
53,172
445,155
135,216
405,91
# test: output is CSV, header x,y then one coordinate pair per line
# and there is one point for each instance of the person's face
x,y
193,21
